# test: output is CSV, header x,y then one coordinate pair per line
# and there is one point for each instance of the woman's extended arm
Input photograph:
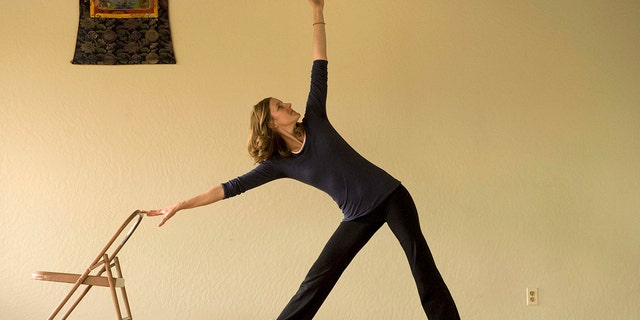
x,y
208,197
319,34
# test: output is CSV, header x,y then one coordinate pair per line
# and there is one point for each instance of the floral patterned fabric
x,y
110,41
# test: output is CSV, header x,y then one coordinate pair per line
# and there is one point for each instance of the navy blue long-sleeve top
x,y
326,161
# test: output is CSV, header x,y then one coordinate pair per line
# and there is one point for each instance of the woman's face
x,y
281,113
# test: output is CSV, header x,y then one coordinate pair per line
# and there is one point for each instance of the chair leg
x,y
86,290
75,304
123,290
112,287
68,296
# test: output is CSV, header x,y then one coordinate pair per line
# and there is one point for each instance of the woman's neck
x,y
293,137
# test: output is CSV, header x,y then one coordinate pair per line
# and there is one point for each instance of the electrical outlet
x,y
532,296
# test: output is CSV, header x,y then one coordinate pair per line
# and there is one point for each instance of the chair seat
x,y
72,278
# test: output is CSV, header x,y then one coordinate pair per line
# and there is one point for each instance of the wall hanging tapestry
x,y
124,32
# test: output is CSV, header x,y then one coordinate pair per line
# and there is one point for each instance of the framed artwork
x,y
124,8
117,32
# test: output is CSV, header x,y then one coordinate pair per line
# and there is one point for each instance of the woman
x,y
313,152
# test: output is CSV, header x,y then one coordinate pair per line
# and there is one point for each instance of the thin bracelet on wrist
x,y
318,23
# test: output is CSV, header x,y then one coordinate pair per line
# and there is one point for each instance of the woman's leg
x,y
402,218
344,244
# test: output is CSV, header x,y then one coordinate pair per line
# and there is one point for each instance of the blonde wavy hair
x,y
263,140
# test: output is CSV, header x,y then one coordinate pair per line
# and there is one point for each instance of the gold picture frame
x,y
124,9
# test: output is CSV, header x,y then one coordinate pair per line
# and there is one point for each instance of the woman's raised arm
x,y
319,34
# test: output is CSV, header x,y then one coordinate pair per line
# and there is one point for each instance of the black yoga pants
x,y
400,213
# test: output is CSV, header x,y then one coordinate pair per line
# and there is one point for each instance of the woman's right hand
x,y
210,196
166,212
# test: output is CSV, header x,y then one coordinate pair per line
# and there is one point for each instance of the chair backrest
x,y
133,220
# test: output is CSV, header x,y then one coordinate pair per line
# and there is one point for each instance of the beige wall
x,y
514,124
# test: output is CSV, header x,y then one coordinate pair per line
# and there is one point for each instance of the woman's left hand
x,y
317,4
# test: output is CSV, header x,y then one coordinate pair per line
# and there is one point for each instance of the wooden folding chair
x,y
104,262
